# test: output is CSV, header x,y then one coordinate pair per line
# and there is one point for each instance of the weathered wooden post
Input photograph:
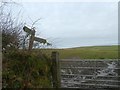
x,y
55,70
31,40
31,32
32,36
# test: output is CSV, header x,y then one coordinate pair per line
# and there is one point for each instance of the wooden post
x,y
31,40
55,70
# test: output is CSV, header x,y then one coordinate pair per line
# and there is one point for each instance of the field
x,y
91,52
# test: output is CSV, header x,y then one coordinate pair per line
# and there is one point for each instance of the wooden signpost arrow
x,y
27,30
41,40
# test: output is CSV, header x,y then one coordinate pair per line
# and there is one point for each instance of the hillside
x,y
91,52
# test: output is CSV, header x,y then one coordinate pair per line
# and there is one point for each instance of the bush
x,y
22,69
10,28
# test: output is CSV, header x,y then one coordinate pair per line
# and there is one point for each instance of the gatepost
x,y
55,70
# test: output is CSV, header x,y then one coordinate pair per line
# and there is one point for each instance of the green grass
x,y
91,52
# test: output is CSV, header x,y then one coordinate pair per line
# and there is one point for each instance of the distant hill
x,y
90,52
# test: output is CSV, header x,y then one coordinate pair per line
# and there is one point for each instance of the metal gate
x,y
90,73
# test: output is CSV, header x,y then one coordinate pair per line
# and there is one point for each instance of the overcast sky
x,y
73,24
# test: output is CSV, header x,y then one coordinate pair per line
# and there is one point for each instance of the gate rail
x,y
75,80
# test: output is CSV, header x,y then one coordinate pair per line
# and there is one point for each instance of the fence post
x,y
55,70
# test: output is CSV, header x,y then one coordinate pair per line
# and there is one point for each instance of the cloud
x,y
84,21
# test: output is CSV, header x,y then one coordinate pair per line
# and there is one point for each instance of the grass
x,y
91,52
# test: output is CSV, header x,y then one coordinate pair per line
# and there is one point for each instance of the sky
x,y
72,24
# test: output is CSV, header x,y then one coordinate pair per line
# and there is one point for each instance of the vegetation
x,y
11,29
91,52
22,69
